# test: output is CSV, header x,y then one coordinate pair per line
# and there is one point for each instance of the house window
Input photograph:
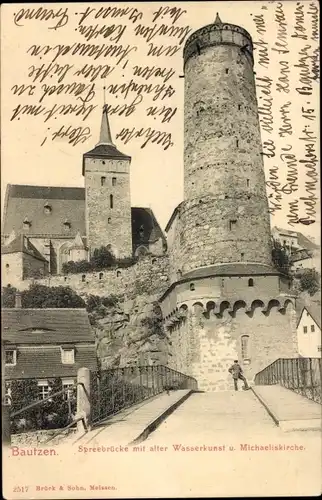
x,y
113,181
250,282
103,181
111,201
7,395
43,389
67,356
245,347
10,357
312,328
304,329
192,287
232,224
69,384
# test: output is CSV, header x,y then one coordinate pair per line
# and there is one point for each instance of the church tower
x,y
107,195
226,301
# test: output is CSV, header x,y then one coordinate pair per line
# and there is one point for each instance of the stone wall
x,y
106,223
225,214
11,269
204,345
148,276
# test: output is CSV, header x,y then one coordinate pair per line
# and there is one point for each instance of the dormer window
x,y
10,357
67,225
26,223
47,208
67,356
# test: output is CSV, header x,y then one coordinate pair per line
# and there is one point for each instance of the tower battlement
x,y
218,33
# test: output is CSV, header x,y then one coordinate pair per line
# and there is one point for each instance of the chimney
x,y
18,300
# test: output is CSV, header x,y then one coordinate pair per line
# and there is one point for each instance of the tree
x,y
102,258
280,258
41,296
310,281
8,296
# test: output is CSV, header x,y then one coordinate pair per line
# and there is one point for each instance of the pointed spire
x,y
218,20
105,134
78,242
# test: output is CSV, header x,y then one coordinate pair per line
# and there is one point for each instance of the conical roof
x,y
105,147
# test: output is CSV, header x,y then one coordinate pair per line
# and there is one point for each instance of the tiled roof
x,y
231,270
66,203
144,217
313,308
46,363
302,240
105,151
46,326
22,244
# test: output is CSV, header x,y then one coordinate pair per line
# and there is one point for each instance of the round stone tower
x,y
224,218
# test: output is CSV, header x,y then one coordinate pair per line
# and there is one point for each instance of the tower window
x,y
47,208
247,182
242,255
250,282
103,181
239,106
227,70
109,220
245,346
222,282
118,274
111,201
232,224
7,266
237,142
113,181
192,287
100,276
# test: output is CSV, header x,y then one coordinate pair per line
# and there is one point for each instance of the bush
x,y
102,259
310,281
53,414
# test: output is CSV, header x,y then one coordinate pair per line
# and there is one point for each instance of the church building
x,y
64,224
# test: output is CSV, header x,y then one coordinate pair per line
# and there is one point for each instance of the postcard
x,y
160,249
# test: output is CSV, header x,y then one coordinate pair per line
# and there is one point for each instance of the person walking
x,y
237,373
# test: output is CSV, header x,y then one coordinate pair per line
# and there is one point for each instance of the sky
x,y
156,174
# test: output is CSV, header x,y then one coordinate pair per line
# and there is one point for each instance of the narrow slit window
x,y
103,181
109,220
247,182
251,282
242,255
113,181
232,224
237,143
245,347
192,287
227,71
111,201
239,106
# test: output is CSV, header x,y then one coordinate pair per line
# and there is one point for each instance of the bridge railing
x,y
301,375
113,390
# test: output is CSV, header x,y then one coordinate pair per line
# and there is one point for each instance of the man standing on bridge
x,y
237,373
